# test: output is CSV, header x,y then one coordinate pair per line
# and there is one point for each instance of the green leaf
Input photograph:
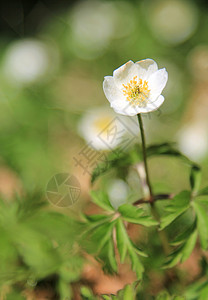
x,y
173,260
116,159
178,205
167,149
181,238
102,234
124,244
122,239
64,290
138,251
127,293
95,218
189,246
135,215
183,252
87,293
14,295
163,296
102,200
112,255
106,297
195,289
195,178
136,263
202,224
203,192
204,293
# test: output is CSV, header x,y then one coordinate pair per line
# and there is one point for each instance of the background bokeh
x,y
53,58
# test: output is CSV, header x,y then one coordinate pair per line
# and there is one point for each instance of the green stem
x,y
145,154
162,234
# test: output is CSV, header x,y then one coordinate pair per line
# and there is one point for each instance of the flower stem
x,y
145,154
162,234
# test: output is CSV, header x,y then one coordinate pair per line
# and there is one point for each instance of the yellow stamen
x,y
136,92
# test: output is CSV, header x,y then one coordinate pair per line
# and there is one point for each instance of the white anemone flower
x,y
136,87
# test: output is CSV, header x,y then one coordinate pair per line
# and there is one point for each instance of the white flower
x,y
27,61
193,141
104,130
118,192
94,24
136,87
163,15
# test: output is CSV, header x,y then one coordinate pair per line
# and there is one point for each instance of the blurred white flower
x,y
95,23
173,21
136,87
26,61
103,130
193,141
118,192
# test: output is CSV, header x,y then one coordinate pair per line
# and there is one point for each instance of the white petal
x,y
151,106
157,82
111,91
146,68
124,74
124,108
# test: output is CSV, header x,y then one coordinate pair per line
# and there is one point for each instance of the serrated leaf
x,y
182,252
174,260
128,210
136,263
202,224
178,205
189,246
102,234
121,239
181,238
135,215
139,251
195,178
102,200
95,218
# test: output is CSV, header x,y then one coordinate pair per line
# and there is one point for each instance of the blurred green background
x,y
51,73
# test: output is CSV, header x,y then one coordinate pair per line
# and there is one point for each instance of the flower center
x,y
102,122
137,92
